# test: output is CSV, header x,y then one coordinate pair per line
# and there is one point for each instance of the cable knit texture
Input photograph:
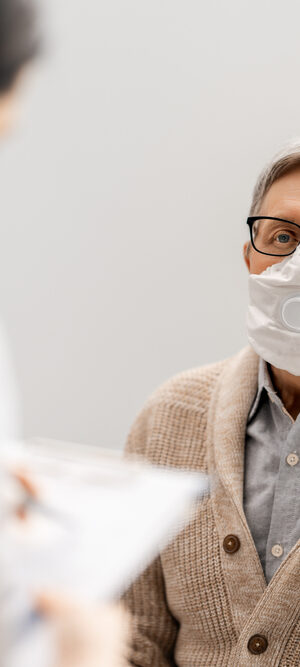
x,y
197,605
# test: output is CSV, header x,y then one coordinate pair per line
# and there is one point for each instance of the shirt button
x,y
231,543
277,550
292,459
257,644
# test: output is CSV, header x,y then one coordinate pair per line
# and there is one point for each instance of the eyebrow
x,y
289,218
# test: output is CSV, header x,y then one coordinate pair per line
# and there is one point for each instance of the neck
x,y
288,387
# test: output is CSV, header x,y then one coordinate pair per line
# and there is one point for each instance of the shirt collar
x,y
264,383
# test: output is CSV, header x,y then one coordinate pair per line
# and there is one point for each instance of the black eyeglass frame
x,y
252,219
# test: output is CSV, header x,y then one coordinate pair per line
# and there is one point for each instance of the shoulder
x,y
191,387
172,421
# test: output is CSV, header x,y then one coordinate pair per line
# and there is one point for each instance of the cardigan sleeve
x,y
153,628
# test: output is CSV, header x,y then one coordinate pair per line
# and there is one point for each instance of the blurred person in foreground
x,y
87,636
227,590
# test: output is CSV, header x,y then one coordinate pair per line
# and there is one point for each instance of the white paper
x,y
95,525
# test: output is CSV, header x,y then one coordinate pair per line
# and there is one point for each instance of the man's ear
x,y
246,253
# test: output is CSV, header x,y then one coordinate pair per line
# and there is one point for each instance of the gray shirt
x,y
272,475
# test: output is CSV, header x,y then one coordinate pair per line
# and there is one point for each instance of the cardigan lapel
x,y
237,389
227,421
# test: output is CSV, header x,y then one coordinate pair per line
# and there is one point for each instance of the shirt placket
x,y
286,504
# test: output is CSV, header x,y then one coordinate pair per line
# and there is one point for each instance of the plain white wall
x,y
124,194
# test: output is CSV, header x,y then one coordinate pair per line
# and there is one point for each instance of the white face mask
x,y
273,317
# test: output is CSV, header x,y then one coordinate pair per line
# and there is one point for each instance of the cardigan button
x,y
257,644
231,544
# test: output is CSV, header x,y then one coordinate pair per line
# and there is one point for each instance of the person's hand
x,y
87,636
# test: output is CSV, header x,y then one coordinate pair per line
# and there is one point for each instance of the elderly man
x,y
227,590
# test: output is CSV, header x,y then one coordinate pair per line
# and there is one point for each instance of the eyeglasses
x,y
273,236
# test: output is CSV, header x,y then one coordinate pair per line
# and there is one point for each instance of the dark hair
x,y
19,38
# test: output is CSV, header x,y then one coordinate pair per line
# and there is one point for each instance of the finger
x,y
53,604
26,483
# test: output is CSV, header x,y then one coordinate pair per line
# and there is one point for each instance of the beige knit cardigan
x,y
197,605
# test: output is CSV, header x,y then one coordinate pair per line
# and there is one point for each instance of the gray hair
x,y
285,160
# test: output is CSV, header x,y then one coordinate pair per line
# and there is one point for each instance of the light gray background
x,y
124,194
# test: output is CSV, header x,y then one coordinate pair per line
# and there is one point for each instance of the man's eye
x,y
283,238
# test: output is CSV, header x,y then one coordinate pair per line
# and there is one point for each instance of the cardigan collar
x,y
227,419
235,393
